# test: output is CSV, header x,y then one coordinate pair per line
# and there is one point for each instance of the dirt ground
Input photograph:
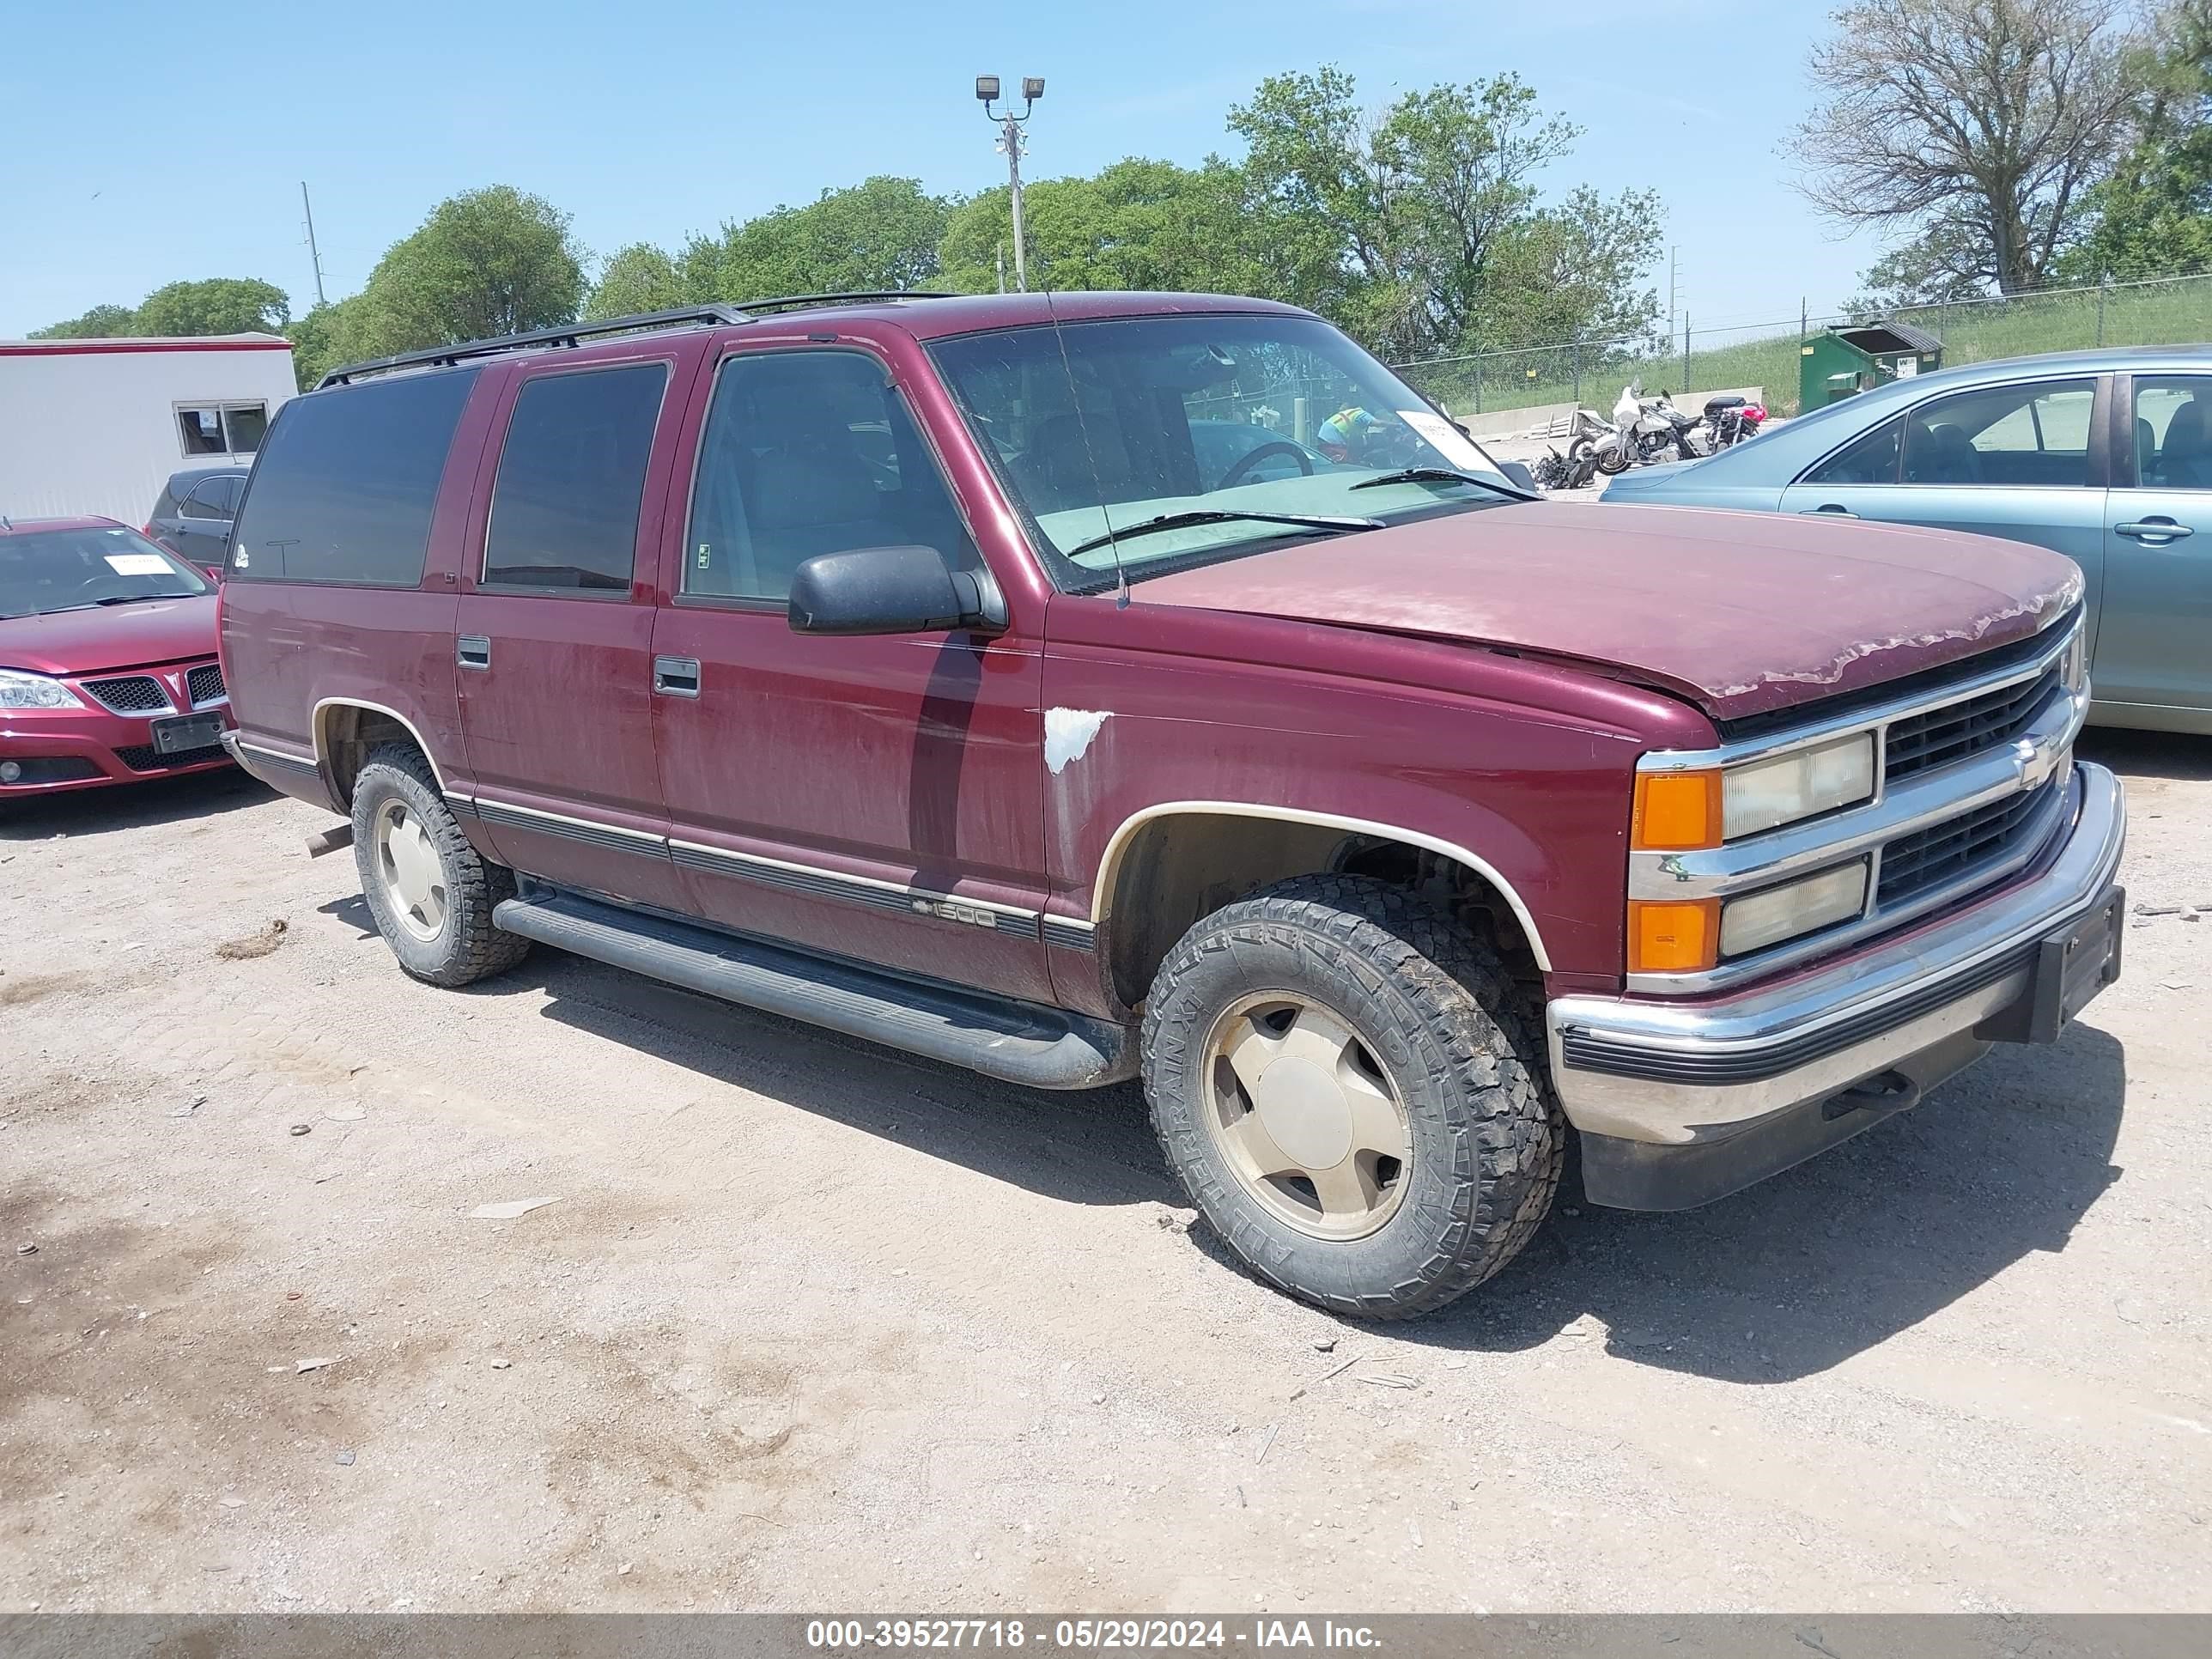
x,y
809,1326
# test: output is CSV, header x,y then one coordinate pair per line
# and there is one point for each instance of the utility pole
x,y
1010,140
1674,288
313,252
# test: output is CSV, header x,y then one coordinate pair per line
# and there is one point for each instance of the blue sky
x,y
653,121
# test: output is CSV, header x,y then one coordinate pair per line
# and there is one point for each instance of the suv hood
x,y
1741,612
111,636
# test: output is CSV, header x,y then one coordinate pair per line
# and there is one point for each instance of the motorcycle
x,y
1729,419
1649,430
1573,470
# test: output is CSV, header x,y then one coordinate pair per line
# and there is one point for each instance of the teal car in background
x,y
2103,456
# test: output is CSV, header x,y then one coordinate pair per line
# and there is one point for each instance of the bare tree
x,y
1983,124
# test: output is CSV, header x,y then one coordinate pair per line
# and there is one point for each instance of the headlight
x,y
20,690
1679,811
1757,920
1795,785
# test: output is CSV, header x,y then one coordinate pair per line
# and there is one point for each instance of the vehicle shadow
x,y
1781,1282
143,805
2173,755
1801,1272
1092,1147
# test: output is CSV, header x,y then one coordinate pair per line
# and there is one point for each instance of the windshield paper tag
x,y
137,564
1444,437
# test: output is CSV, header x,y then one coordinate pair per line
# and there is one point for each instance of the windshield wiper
x,y
1221,515
1437,475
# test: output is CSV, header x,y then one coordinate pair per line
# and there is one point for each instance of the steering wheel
x,y
120,585
1236,474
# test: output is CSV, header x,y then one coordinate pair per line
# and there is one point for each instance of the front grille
x,y
1960,729
204,685
66,768
145,758
1929,858
129,694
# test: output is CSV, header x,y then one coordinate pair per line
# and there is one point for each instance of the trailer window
x,y
222,428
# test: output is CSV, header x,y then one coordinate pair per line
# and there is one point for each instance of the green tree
x,y
328,336
639,278
100,323
485,263
1137,224
881,234
2154,214
219,305
1423,229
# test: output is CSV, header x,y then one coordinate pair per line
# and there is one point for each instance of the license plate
x,y
187,731
2069,969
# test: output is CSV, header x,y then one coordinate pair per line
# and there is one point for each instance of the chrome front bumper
x,y
1642,1078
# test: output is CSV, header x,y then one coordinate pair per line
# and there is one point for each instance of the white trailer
x,y
98,426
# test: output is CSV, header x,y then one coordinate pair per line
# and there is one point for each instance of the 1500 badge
x,y
953,910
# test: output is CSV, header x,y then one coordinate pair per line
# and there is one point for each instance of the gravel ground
x,y
809,1326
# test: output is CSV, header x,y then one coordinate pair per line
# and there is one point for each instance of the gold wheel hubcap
x,y
414,876
1305,1115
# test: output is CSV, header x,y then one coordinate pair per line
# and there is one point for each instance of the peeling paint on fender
x,y
1067,735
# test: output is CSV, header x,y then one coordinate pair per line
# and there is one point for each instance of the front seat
x,y
2185,460
1076,461
815,494
1942,454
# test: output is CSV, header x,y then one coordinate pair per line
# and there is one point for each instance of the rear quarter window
x,y
347,482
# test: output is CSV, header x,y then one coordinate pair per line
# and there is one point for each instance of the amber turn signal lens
x,y
1673,936
1676,811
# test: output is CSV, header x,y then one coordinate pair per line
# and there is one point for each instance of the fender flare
x,y
1109,865
318,724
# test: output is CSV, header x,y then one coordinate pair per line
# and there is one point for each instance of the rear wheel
x,y
431,893
1344,1081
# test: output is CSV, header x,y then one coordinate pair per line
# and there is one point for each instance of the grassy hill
x,y
2169,313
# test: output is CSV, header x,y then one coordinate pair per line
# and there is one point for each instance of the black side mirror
x,y
1518,475
890,590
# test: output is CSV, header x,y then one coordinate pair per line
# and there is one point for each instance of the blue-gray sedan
x,y
2103,456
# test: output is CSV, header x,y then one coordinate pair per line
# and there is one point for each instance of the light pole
x,y
1010,140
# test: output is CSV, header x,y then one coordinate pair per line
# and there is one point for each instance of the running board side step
x,y
1023,1043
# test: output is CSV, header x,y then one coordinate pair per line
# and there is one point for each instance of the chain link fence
x,y
2162,311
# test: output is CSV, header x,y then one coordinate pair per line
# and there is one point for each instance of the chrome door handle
x,y
472,650
676,677
1831,511
2153,530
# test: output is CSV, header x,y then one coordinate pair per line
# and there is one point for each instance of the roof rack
x,y
718,313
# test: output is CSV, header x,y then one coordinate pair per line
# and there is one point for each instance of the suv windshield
x,y
42,571
1102,429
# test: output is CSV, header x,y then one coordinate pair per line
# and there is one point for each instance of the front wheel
x,y
1345,1082
432,894
1613,459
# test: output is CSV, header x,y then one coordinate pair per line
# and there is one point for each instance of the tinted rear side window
x,y
571,476
1871,460
347,483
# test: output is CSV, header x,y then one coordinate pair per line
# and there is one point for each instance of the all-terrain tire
x,y
1451,1032
466,947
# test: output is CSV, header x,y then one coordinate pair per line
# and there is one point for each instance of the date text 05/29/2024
x,y
1086,1635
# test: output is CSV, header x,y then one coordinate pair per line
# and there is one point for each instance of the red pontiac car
x,y
107,659
929,669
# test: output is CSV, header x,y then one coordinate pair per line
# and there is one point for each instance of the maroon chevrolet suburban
x,y
1075,686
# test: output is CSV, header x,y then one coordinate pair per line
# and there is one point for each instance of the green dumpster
x,y
1845,361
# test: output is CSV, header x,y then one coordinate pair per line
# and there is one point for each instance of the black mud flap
x,y
2069,969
